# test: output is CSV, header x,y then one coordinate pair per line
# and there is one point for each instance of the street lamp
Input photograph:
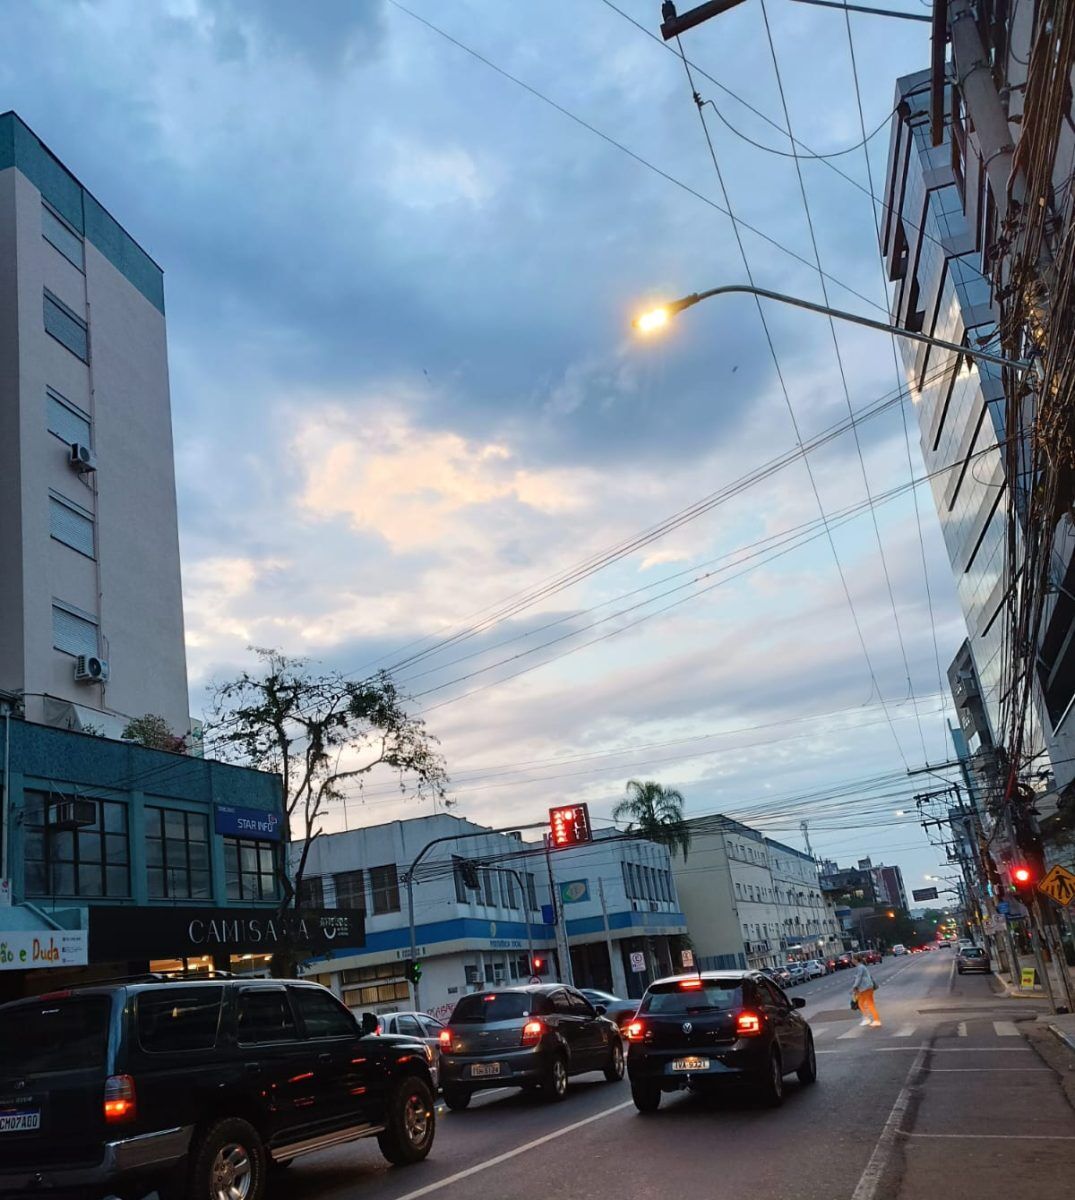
x,y
660,315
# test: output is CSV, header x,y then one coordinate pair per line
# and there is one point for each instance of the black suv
x,y
701,1031
528,1037
196,1088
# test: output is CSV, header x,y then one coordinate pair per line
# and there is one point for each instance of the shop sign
x,y
253,823
119,934
31,950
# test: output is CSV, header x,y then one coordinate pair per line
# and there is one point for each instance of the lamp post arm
x,y
840,315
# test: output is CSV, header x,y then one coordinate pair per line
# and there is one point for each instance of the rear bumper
x,y
745,1058
147,1156
516,1068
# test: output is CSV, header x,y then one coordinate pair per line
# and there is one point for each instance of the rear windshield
x,y
671,998
66,1034
494,1006
972,952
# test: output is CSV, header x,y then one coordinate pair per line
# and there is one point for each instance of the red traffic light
x,y
570,825
1021,876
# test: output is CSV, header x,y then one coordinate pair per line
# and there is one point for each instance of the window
x,y
250,869
627,888
265,1016
68,422
73,632
71,524
561,1003
408,1026
580,1006
177,854
508,895
311,892
323,1016
91,860
531,892
68,329
350,890
180,1019
738,889
63,237
488,891
431,1026
385,887
382,993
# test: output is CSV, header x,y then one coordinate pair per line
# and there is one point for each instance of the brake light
x,y
120,1101
532,1031
690,985
633,1031
747,1023
445,1036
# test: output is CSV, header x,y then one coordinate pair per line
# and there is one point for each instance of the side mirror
x,y
600,1009
798,1001
369,1024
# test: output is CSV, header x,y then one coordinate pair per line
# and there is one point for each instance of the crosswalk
x,y
840,1031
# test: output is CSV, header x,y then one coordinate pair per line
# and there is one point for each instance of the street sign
x,y
576,891
1027,977
1059,885
1003,907
686,957
569,825
924,893
638,960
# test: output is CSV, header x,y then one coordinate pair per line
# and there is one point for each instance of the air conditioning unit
x,y
68,812
82,457
91,669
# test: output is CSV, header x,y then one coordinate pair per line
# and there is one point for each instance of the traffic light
x,y
570,825
1022,878
412,971
538,965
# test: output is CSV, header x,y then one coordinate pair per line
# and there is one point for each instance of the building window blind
x,y
66,421
71,525
71,633
66,328
63,237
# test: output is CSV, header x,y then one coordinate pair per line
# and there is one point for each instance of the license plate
x,y
479,1069
690,1064
18,1122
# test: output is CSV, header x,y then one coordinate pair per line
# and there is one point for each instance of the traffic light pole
x,y
563,948
409,879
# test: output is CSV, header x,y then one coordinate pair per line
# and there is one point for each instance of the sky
x,y
408,403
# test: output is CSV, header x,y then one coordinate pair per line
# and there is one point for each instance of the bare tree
x,y
318,732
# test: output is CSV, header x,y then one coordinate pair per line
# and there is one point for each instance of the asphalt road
x,y
948,1096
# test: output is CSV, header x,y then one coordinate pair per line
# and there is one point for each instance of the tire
x,y
554,1085
457,1098
410,1122
807,1073
770,1086
614,1070
647,1097
229,1150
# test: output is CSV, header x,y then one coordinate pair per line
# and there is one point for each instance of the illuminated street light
x,y
659,316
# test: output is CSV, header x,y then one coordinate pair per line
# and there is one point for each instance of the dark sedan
x,y
528,1037
701,1032
616,1009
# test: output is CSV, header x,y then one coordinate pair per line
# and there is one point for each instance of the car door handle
x,y
325,1056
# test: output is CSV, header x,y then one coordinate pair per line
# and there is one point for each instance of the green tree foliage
x,y
152,731
656,812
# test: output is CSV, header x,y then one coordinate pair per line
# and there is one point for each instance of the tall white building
x,y
91,615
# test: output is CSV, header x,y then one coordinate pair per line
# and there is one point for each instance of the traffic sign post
x,y
1059,886
638,961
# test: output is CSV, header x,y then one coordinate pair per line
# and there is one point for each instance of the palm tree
x,y
656,812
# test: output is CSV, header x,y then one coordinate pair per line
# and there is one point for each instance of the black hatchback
x,y
528,1037
700,1032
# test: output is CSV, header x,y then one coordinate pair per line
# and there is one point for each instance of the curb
x,y
1067,1038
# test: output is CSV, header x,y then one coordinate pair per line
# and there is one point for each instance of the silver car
x,y
972,958
416,1025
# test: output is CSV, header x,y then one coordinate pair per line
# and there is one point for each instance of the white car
x,y
899,948
797,972
814,969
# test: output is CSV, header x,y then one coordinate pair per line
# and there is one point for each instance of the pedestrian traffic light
x,y
413,971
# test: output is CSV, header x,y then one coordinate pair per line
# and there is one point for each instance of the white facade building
x,y
751,901
90,550
617,899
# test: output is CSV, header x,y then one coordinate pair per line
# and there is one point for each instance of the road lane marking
x,y
1006,1028
855,1032
982,1050
904,1031
964,1070
821,1030
961,1029
509,1154
874,1171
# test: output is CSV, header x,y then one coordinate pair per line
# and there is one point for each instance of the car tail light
x,y
690,985
120,1101
532,1031
747,1023
633,1031
445,1036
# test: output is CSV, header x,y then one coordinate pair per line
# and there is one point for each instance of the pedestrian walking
x,y
862,990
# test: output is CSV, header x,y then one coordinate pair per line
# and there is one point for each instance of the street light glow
x,y
653,319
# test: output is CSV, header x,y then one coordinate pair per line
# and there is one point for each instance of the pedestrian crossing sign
x,y
1059,885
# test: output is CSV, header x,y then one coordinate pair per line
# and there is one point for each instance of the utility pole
x,y
613,961
563,946
805,827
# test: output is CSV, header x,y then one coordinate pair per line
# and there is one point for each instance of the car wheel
x,y
614,1070
807,1073
228,1162
554,1085
770,1087
410,1122
457,1098
646,1096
